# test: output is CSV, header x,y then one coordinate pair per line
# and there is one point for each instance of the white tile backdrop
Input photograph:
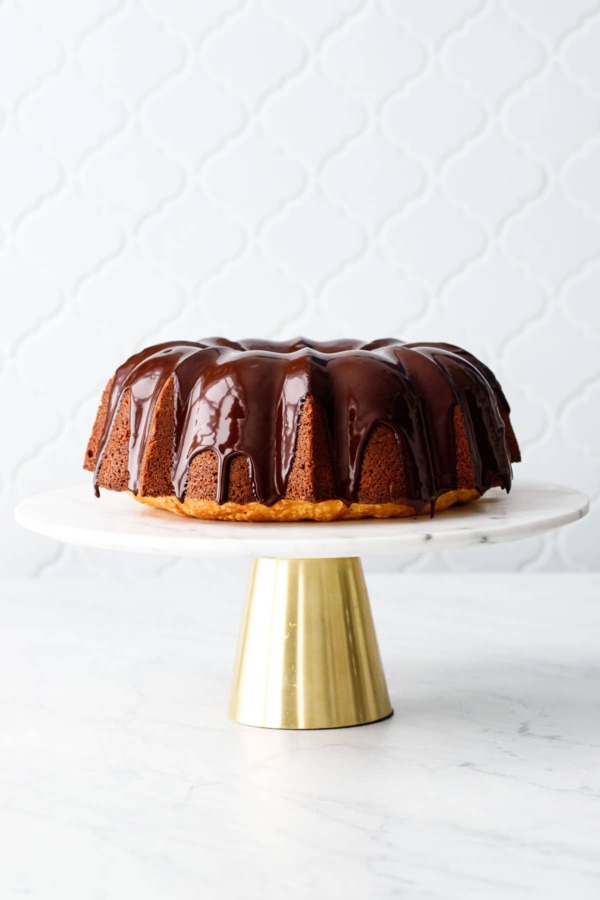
x,y
422,168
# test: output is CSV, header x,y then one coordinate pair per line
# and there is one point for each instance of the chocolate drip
x,y
246,397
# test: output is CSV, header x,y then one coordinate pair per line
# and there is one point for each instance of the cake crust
x,y
299,510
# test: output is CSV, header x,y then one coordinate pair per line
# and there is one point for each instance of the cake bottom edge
x,y
298,510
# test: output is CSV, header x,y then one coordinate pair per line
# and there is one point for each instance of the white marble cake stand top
x,y
116,522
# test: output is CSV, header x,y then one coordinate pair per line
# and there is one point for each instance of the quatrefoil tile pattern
x,y
352,167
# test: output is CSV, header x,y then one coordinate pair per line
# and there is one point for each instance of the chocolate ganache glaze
x,y
245,398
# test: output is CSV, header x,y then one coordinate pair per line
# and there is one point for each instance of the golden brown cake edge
x,y
299,510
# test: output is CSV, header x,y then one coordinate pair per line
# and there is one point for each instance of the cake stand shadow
x,y
307,654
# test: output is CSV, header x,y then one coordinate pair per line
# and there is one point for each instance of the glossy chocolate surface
x,y
245,398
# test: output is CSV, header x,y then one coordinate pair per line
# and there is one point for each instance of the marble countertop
x,y
121,777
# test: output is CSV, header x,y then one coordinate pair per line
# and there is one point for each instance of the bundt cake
x,y
265,430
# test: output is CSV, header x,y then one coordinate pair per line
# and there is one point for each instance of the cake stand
x,y
307,654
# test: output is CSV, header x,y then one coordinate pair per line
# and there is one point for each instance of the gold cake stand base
x,y
307,654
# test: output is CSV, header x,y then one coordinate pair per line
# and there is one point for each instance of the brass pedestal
x,y
307,654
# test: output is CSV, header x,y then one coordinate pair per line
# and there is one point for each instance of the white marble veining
x,y
116,522
121,778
